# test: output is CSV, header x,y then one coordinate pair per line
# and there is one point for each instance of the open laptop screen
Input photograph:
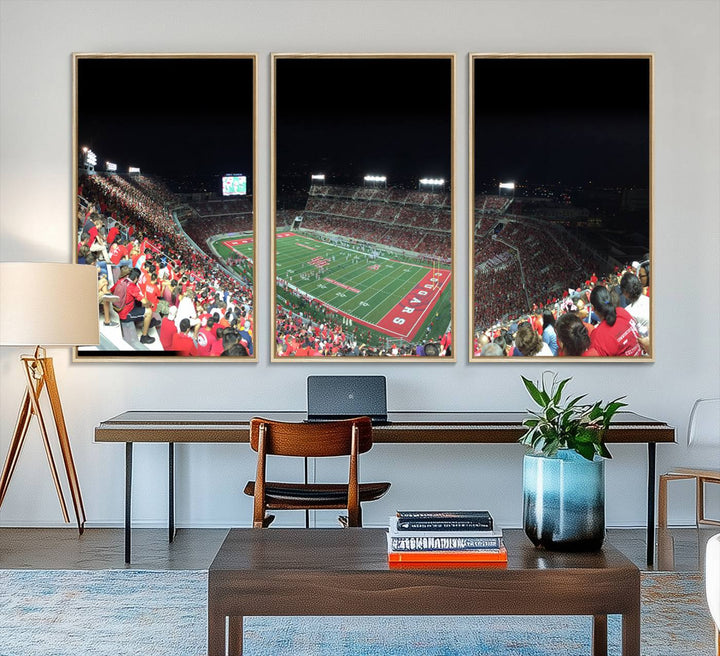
x,y
341,397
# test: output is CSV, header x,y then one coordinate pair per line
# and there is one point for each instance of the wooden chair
x,y
349,437
703,429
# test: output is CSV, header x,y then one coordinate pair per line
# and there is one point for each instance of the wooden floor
x,y
680,549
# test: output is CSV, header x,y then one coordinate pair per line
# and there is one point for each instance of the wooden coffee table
x,y
345,572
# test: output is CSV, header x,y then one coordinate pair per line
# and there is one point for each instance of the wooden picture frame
x,y
561,202
164,174
362,202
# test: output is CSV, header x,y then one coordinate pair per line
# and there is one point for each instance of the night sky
x,y
567,121
170,117
350,117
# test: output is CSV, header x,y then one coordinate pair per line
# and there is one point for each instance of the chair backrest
x,y
704,423
311,440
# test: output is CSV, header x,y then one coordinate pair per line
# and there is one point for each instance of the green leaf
x,y
576,400
534,392
587,451
558,393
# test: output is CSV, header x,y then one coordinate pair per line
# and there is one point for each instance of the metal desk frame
x,y
211,427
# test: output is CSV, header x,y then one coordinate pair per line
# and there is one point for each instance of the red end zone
x,y
406,317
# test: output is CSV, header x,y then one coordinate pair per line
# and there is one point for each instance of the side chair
x,y
703,430
348,437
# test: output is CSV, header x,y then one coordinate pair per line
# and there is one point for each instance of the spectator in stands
x,y
236,350
638,304
206,337
133,305
492,350
182,343
548,331
244,335
168,328
572,336
480,342
83,252
186,310
218,346
529,343
103,294
616,334
644,276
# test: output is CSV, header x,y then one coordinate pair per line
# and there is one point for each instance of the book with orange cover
x,y
450,557
448,565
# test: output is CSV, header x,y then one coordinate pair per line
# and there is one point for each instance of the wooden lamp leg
x,y
64,440
15,444
39,373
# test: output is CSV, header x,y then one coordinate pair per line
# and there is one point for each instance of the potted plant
x,y
564,468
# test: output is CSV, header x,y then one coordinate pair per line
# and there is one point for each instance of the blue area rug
x,y
131,612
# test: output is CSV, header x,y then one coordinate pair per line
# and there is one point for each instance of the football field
x,y
393,297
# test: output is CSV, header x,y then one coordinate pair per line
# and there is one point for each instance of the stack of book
x,y
439,537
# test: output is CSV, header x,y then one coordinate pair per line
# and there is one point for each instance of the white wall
x,y
36,41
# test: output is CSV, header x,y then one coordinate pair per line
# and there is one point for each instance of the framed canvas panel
x,y
164,176
561,207
362,151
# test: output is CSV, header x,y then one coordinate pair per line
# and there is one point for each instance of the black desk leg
x,y
307,512
171,491
651,505
128,497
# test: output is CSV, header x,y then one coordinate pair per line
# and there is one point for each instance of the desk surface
x,y
412,427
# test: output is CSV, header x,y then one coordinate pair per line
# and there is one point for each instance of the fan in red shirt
x,y
118,252
617,334
135,305
206,337
572,336
151,290
168,329
182,343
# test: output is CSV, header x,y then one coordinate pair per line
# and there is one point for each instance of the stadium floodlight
x,y
371,179
318,176
110,166
133,169
90,157
432,182
506,189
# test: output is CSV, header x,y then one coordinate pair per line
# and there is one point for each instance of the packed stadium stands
x,y
133,221
414,221
520,260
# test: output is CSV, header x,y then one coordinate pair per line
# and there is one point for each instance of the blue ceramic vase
x,y
564,501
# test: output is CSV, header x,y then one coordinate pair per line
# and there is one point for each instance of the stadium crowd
x,y
393,217
150,275
608,316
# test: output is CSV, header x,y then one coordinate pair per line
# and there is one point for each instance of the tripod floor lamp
x,y
46,304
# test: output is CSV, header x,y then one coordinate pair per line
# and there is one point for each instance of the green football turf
x,y
352,284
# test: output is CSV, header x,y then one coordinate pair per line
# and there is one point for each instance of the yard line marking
x,y
339,284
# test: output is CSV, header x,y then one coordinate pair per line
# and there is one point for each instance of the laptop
x,y
330,398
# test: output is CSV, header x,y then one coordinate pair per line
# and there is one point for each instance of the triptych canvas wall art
x,y
362,212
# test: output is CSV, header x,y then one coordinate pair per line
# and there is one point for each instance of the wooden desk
x,y
207,426
345,572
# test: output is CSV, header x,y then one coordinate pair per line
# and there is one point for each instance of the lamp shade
x,y
48,304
